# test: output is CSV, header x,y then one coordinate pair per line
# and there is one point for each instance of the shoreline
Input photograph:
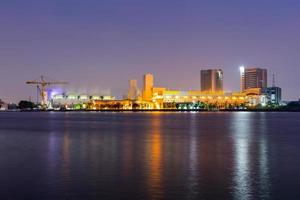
x,y
158,110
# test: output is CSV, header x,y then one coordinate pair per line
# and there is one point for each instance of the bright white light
x,y
53,93
242,69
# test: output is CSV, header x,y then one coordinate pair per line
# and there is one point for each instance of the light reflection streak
x,y
52,151
155,158
66,157
193,159
242,130
263,159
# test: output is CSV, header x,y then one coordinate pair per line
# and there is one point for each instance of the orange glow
x,y
156,157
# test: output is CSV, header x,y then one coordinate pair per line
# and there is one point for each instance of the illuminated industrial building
x,y
211,95
111,105
193,99
211,80
76,101
203,100
255,97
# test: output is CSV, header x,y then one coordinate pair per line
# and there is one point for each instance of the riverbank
x,y
160,110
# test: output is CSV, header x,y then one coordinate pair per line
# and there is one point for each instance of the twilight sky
x,y
97,45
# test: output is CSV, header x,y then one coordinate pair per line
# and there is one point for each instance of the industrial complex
x,y
254,93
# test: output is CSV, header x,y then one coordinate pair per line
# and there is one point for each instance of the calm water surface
x,y
150,155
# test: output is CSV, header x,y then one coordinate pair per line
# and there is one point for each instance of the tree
x,y
1,103
135,106
25,105
294,105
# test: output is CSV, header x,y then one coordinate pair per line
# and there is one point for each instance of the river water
x,y
86,155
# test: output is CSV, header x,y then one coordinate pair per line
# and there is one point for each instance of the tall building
x,y
253,78
211,80
133,90
273,93
148,86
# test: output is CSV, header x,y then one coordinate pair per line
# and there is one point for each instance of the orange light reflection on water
x,y
155,154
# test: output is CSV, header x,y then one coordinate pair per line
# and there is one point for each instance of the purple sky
x,y
100,44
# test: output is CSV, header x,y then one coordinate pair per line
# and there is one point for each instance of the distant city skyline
x,y
100,45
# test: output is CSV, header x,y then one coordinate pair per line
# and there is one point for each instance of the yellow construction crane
x,y
41,85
